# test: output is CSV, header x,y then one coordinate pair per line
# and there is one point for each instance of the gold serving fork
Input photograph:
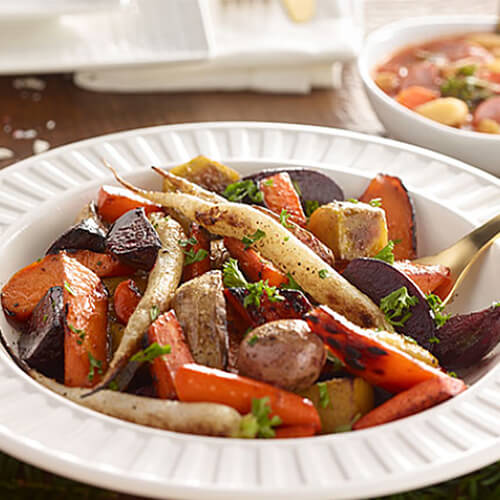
x,y
299,11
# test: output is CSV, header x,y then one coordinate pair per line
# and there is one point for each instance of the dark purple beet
x,y
466,338
134,240
86,235
41,346
313,185
377,279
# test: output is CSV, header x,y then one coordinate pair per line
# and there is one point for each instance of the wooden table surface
x,y
78,114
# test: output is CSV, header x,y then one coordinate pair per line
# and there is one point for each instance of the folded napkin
x,y
254,46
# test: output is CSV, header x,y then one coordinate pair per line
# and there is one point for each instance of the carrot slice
x,y
399,213
125,300
414,96
195,269
85,329
365,356
253,265
200,383
105,265
429,278
113,202
280,194
167,330
294,431
414,400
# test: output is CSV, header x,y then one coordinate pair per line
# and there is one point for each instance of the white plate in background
x,y
39,198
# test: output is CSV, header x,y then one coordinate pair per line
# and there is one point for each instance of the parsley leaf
x,y
352,200
396,306
95,365
190,256
190,241
297,187
80,333
310,206
250,240
436,305
324,397
243,189
434,340
387,253
232,276
348,427
151,352
323,273
253,340
257,289
268,182
292,284
113,386
375,202
154,312
257,423
69,289
284,215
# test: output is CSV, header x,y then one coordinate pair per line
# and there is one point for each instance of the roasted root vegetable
x,y
414,96
200,383
429,278
114,201
281,197
105,265
84,235
283,353
254,266
134,240
286,304
41,346
201,310
414,400
403,302
162,283
312,274
340,401
366,356
166,330
125,299
399,213
294,431
467,338
351,230
194,418
196,250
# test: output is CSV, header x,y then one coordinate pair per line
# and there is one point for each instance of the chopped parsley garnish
x,y
232,276
292,284
45,318
497,304
80,333
387,253
284,215
434,340
323,273
452,374
250,240
190,256
324,397
310,206
268,182
256,290
154,312
243,189
253,340
467,70
375,202
190,241
396,306
352,200
286,238
69,289
113,385
436,305
348,427
151,352
468,88
95,365
297,187
338,364
257,423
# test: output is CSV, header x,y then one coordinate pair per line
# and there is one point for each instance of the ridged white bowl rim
x,y
46,430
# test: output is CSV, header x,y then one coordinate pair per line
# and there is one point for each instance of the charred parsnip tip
x,y
210,419
285,250
179,184
162,283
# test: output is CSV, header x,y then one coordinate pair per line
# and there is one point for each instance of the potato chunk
x,y
351,230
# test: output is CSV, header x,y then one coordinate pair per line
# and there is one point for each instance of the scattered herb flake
x,y
310,206
154,312
352,200
95,365
323,273
434,340
396,306
292,284
284,215
269,182
387,253
253,340
286,238
69,289
257,423
250,240
151,352
297,188
257,289
376,202
190,256
348,427
324,397
113,385
243,189
190,241
436,305
45,318
232,276
452,374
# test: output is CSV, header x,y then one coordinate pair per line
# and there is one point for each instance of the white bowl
x,y
478,149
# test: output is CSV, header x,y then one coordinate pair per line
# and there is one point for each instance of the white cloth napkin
x,y
254,46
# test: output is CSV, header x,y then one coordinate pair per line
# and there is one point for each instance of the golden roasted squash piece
x,y
351,230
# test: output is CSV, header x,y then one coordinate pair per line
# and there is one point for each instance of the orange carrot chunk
x,y
253,265
429,278
412,97
125,300
105,265
365,356
85,329
399,213
113,202
199,250
294,431
199,383
280,194
166,330
414,400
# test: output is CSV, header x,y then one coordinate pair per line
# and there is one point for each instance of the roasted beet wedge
x,y
133,240
294,306
466,338
42,344
377,279
86,235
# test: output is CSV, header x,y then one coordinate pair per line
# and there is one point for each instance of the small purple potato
x,y
466,338
283,353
